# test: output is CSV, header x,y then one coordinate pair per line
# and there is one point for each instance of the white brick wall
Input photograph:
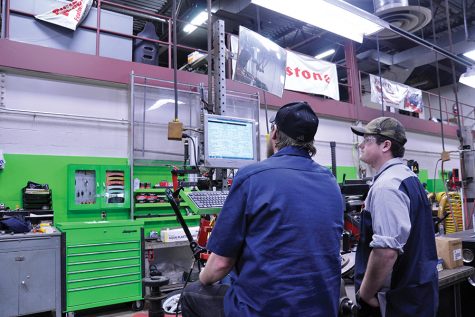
x,y
59,136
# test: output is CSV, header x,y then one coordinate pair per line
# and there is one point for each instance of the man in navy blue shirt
x,y
278,234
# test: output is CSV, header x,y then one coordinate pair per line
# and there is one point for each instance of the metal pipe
x,y
4,13
209,56
429,45
163,152
464,13
132,143
452,64
169,44
175,62
6,8
98,28
437,72
61,115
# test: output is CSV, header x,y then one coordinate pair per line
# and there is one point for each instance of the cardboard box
x,y
450,250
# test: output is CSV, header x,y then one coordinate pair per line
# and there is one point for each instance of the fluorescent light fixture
x,y
468,78
336,16
199,19
325,54
162,102
470,54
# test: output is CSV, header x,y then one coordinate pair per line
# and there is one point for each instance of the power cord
x,y
184,135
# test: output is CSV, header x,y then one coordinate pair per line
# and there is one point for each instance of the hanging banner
x,y
68,14
260,62
396,95
311,75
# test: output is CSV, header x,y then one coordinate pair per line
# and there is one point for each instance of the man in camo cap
x,y
396,259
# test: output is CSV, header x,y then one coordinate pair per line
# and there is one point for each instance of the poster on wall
x,y
396,95
311,75
260,62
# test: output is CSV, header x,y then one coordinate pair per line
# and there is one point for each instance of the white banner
x,y
69,14
310,75
396,95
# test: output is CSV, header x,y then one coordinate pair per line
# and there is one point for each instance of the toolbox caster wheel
x,y
137,305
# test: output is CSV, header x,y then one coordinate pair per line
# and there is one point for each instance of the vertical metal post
x,y
468,174
209,58
353,76
131,144
98,28
333,155
219,68
6,19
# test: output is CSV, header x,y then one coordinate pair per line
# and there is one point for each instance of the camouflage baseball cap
x,y
385,126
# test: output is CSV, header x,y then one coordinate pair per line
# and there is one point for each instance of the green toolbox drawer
x,y
89,297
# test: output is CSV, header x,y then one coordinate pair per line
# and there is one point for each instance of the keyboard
x,y
205,202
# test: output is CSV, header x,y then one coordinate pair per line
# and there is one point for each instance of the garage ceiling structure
x,y
449,24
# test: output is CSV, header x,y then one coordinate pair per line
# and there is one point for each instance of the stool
x,y
155,297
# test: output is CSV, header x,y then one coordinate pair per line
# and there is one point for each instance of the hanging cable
x,y
437,71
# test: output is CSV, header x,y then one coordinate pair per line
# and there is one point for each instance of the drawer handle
x,y
129,231
106,285
19,258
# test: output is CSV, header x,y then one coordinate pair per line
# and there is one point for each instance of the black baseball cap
x,y
297,120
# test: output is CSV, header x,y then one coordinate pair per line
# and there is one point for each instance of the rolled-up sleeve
x,y
390,218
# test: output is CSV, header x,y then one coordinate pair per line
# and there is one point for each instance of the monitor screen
x,y
229,142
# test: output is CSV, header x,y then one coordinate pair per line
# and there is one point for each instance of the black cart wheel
x,y
137,305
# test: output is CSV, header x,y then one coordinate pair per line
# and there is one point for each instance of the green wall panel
x,y
51,170
21,168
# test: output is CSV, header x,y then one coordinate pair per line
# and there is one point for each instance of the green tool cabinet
x,y
103,263
98,187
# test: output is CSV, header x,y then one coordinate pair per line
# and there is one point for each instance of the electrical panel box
x,y
94,187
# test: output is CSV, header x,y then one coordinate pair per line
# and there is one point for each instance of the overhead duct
x,y
400,14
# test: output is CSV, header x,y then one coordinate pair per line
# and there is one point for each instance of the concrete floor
x,y
124,310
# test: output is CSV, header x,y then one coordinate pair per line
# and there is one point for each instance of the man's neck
x,y
377,165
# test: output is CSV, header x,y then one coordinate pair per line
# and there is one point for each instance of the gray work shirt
x,y
389,206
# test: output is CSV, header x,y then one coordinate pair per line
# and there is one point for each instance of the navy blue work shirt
x,y
282,222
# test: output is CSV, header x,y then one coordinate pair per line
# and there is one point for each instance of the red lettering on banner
x,y
307,74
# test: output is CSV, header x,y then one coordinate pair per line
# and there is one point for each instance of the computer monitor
x,y
229,142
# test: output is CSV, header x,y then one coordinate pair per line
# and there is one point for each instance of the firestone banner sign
x,y
310,75
396,95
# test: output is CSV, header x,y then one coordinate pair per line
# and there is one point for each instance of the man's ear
x,y
273,134
387,145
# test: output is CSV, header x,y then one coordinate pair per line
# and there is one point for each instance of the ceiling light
x,y
325,54
468,78
335,16
470,54
199,19
162,102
